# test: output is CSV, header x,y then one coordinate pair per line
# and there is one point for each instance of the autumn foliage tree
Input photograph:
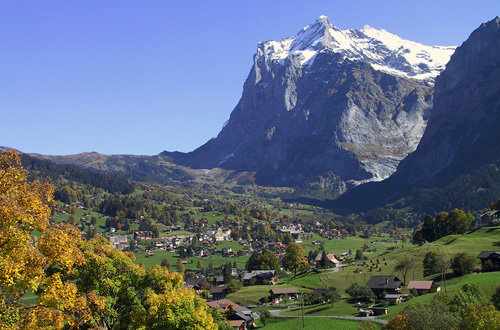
x,y
35,264
79,284
263,260
294,258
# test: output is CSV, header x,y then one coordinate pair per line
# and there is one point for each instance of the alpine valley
x,y
355,185
329,110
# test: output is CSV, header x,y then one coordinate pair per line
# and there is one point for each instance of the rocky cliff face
x,y
343,107
463,130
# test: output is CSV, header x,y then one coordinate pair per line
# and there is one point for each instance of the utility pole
x,y
303,319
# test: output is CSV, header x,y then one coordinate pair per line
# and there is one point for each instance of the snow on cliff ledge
x,y
383,50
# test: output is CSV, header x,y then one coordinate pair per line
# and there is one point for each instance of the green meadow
x,y
317,323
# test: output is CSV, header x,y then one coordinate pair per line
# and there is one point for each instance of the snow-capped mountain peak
x,y
383,50
331,106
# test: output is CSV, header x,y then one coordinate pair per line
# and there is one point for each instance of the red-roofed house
x,y
424,287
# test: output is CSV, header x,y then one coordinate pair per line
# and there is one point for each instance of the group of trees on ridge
x,y
445,223
42,168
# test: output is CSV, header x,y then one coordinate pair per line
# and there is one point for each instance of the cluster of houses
x,y
390,288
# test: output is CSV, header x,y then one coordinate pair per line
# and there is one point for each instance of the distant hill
x,y
43,168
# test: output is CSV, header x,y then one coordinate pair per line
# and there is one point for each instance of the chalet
x,y
218,236
379,310
219,292
424,287
292,231
239,317
382,285
219,280
490,260
279,294
197,284
332,259
365,312
490,218
394,299
118,241
226,251
224,305
143,234
237,324
259,277
304,235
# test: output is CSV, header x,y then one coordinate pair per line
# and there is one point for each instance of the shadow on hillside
x,y
317,310
453,240
449,277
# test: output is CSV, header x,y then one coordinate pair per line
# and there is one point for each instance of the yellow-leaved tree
x,y
37,264
79,284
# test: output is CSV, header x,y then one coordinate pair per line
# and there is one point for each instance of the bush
x,y
265,315
312,299
360,293
462,264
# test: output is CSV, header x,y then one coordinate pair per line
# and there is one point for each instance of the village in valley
x,y
239,258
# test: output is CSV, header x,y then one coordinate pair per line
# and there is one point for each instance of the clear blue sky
x,y
140,77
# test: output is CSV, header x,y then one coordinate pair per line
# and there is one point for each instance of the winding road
x,y
277,313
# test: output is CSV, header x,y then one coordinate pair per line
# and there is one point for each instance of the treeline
x,y
42,168
390,201
241,211
466,192
122,210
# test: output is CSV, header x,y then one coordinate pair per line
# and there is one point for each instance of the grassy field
x,y
353,243
251,295
484,239
158,256
341,307
472,243
487,283
316,323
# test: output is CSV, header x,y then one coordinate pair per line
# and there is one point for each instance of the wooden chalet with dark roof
x,y
281,293
490,260
382,285
219,292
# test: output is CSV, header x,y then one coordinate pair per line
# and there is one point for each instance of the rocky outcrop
x,y
463,130
462,136
327,103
